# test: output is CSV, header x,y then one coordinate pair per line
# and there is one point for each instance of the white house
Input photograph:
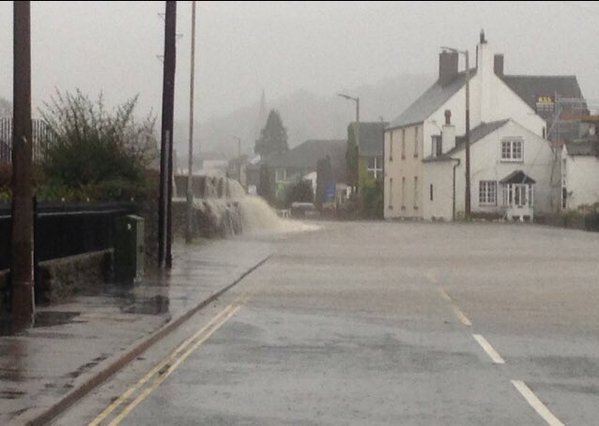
x,y
580,172
511,177
503,115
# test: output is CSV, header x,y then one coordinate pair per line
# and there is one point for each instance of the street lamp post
x,y
238,139
357,133
467,209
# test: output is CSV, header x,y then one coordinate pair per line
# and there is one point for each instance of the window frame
x,y
403,192
416,193
377,170
487,193
509,155
416,142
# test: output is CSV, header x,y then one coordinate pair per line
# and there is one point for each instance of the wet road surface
x,y
383,324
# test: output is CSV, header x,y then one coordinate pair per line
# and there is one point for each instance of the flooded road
x,y
383,324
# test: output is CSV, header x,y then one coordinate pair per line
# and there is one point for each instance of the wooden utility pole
x,y
166,145
189,224
22,278
468,193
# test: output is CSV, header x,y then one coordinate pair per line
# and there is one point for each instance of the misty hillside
x,y
305,115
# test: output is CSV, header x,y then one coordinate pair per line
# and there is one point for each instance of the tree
x,y
372,199
273,137
102,153
266,187
300,192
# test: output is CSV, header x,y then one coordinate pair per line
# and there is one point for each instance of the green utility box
x,y
129,249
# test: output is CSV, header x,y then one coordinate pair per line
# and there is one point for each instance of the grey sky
x,y
281,47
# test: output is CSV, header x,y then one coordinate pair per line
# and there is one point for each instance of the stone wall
x,y
216,218
62,278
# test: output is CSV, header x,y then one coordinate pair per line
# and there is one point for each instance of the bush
x,y
93,153
372,199
300,192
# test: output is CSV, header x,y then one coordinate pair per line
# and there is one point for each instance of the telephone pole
x,y
166,145
189,227
467,196
22,277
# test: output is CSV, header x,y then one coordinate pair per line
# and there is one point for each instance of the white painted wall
x,y
497,101
490,100
438,174
486,164
582,180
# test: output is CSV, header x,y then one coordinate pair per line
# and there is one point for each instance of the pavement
x,y
75,346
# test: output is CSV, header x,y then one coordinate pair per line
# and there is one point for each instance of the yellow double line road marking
x,y
165,367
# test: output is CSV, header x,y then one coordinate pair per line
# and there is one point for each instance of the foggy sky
x,y
281,47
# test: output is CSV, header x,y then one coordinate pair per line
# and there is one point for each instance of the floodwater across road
x,y
383,324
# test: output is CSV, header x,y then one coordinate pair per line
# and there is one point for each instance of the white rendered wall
x,y
582,180
438,174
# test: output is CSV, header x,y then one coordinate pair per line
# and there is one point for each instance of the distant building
x,y
580,170
300,163
370,150
511,118
212,163
41,134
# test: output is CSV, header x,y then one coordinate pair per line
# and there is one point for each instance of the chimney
x,y
447,133
447,117
498,65
448,67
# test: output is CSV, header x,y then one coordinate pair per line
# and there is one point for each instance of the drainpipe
x,y
453,198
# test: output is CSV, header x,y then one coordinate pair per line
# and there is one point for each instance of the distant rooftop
x,y
478,133
588,147
307,154
371,138
430,101
531,87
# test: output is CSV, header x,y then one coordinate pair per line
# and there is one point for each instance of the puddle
x,y
51,318
154,305
11,394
